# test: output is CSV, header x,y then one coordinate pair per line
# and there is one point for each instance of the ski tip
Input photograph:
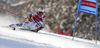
x,y
13,28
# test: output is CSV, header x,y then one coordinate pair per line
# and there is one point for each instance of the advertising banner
x,y
88,6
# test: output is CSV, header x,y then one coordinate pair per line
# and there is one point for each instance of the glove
x,y
30,20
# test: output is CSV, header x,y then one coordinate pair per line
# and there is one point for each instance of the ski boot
x,y
36,30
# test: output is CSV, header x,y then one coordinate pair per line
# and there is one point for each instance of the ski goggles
x,y
41,12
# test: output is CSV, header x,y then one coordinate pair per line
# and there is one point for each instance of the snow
x,y
28,39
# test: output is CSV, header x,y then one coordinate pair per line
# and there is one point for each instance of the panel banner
x,y
88,6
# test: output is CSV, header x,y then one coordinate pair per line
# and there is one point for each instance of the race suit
x,y
35,21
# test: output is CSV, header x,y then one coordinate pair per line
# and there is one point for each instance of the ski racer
x,y
36,21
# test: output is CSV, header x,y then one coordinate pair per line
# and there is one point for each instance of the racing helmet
x,y
41,9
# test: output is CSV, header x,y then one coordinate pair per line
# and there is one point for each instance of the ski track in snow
x,y
27,39
9,39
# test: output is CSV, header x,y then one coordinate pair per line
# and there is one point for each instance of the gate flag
x,y
88,6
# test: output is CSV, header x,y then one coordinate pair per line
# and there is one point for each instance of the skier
x,y
36,21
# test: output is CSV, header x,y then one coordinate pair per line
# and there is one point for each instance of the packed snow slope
x,y
28,39
43,39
